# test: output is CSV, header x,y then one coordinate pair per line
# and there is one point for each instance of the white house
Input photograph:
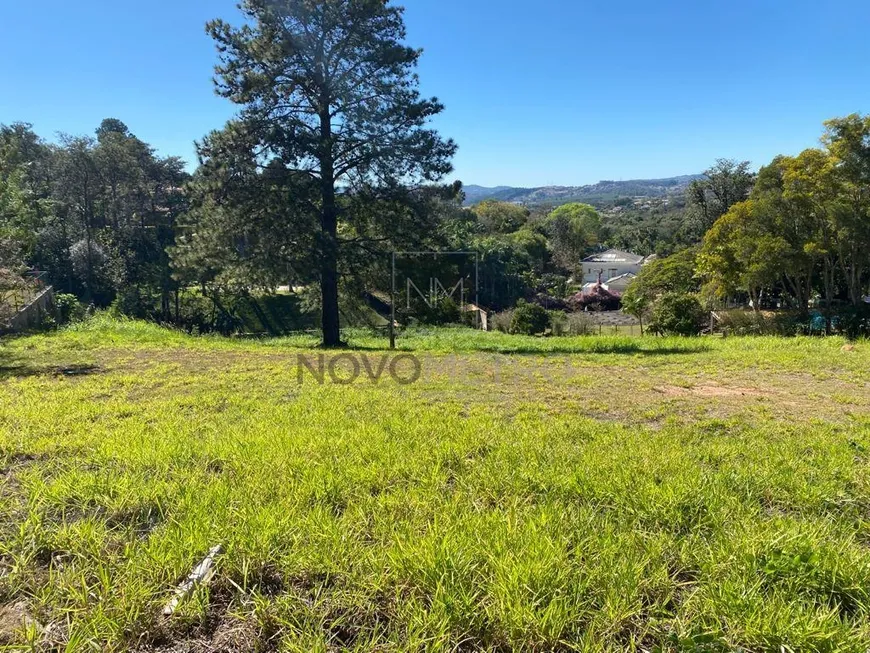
x,y
609,265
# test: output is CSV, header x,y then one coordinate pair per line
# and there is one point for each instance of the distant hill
x,y
601,192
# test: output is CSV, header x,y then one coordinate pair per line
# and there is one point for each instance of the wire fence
x,y
619,330
32,314
20,292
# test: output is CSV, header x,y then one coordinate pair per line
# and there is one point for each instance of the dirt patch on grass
x,y
711,391
15,618
637,392
225,627
227,636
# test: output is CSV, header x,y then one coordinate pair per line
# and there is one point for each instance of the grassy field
x,y
592,494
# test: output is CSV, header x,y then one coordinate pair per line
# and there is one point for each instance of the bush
x,y
749,323
550,302
445,311
502,321
677,314
69,308
194,313
854,321
529,319
573,324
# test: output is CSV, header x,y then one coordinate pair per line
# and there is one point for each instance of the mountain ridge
x,y
602,191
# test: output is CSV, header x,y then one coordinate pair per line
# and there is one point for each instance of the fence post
x,y
393,302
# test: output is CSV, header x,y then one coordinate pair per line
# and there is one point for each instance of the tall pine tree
x,y
328,91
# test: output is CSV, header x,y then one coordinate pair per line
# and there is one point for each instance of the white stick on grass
x,y
202,573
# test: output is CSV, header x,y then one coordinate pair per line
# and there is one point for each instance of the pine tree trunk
x,y
329,280
330,324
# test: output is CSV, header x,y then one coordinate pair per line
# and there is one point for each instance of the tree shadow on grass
x,y
12,367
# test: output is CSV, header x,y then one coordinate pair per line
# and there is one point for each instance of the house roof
x,y
628,276
614,256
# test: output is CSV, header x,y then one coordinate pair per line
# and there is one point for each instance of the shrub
x,y
445,311
747,323
550,302
678,314
69,308
502,321
573,324
529,319
195,313
131,302
854,321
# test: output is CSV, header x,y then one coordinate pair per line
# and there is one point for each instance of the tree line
x,y
99,214
793,237
331,163
803,231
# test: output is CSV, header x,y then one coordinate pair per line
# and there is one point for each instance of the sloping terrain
x,y
596,494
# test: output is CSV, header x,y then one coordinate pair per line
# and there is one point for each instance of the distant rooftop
x,y
628,276
614,256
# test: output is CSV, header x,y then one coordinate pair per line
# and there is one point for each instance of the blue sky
x,y
537,93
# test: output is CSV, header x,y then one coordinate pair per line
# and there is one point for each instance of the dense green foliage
x,y
805,231
96,214
500,217
573,230
798,235
68,308
111,222
723,186
676,314
529,320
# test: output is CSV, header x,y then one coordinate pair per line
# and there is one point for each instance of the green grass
x,y
592,493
